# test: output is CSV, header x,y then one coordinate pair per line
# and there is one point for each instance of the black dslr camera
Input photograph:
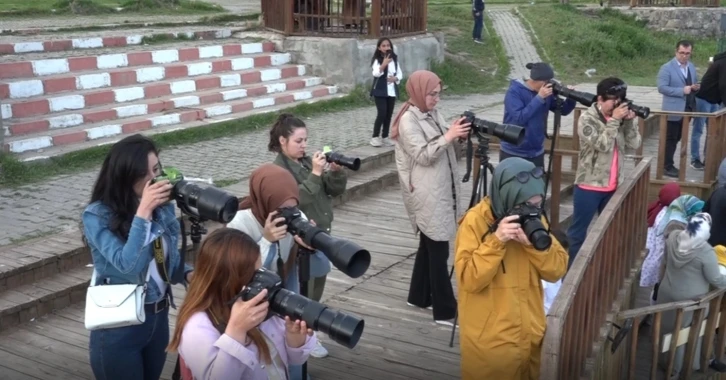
x,y
531,222
512,134
640,111
347,256
343,328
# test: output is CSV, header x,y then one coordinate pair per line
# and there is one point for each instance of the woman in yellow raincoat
x,y
499,273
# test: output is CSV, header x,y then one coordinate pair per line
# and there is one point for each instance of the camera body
x,y
530,218
263,279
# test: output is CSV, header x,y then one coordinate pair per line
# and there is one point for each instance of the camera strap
x,y
159,258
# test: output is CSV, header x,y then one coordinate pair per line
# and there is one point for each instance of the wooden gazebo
x,y
345,18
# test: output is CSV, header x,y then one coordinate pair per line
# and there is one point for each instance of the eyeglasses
x,y
523,177
617,89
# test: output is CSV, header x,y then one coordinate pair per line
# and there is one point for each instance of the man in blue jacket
x,y
527,104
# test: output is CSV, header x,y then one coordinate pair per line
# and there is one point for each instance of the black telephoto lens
x,y
352,163
585,98
537,234
640,111
209,202
342,328
510,133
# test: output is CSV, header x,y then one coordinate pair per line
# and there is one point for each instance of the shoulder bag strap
x,y
159,259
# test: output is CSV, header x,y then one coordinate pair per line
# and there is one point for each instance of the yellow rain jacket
x,y
501,302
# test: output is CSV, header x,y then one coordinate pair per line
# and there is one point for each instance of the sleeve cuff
x,y
234,348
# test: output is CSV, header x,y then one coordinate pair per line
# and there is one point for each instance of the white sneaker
x,y
376,142
446,322
412,305
388,142
319,351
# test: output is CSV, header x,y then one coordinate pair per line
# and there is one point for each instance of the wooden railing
x,y
644,354
664,3
576,321
345,18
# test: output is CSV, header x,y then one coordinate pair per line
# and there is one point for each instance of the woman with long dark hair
x,y
387,76
131,230
318,182
216,341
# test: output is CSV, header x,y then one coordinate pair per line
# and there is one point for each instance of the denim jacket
x,y
119,262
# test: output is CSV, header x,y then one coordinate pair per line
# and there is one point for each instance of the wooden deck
x,y
399,342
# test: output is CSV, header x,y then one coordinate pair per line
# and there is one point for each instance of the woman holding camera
x,y
499,273
605,130
426,159
387,76
131,230
216,341
272,188
317,186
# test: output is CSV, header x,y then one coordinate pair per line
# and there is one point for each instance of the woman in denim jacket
x,y
127,214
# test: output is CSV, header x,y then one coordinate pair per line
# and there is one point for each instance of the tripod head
x,y
482,153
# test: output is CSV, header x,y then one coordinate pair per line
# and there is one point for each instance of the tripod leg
x,y
453,329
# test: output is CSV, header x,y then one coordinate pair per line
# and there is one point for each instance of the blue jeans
x,y
698,124
585,203
478,26
132,352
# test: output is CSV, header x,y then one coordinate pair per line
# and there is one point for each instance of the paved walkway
x,y
44,208
516,40
233,6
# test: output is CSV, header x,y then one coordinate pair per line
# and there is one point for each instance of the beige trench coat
x,y
427,172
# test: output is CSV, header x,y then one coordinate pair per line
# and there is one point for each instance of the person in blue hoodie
x,y
527,103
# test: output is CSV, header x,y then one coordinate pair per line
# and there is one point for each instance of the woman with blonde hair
x,y
426,158
241,341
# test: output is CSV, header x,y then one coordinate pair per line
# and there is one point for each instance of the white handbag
x,y
111,306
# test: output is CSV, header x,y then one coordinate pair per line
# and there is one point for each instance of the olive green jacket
x,y
316,192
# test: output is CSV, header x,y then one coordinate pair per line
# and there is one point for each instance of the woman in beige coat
x,y
426,159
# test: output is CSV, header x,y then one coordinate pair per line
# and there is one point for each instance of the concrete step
x,y
33,68
122,103
49,43
49,273
181,119
144,128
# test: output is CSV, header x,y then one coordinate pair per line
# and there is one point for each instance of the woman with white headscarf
x,y
691,269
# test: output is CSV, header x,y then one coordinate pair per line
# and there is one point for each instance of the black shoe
x,y
697,164
718,366
671,172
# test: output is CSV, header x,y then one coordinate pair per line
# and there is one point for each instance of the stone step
x,y
27,68
27,97
149,81
182,119
122,103
49,273
47,44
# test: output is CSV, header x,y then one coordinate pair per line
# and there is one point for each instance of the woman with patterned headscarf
x,y
499,273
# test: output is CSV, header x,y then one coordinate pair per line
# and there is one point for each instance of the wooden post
x,y
425,14
289,16
375,31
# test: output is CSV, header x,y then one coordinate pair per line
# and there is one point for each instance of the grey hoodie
x,y
691,264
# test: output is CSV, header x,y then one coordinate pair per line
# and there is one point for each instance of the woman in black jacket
x,y
386,78
716,206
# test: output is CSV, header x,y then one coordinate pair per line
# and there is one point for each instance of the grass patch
x,y
613,43
18,8
14,173
468,67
